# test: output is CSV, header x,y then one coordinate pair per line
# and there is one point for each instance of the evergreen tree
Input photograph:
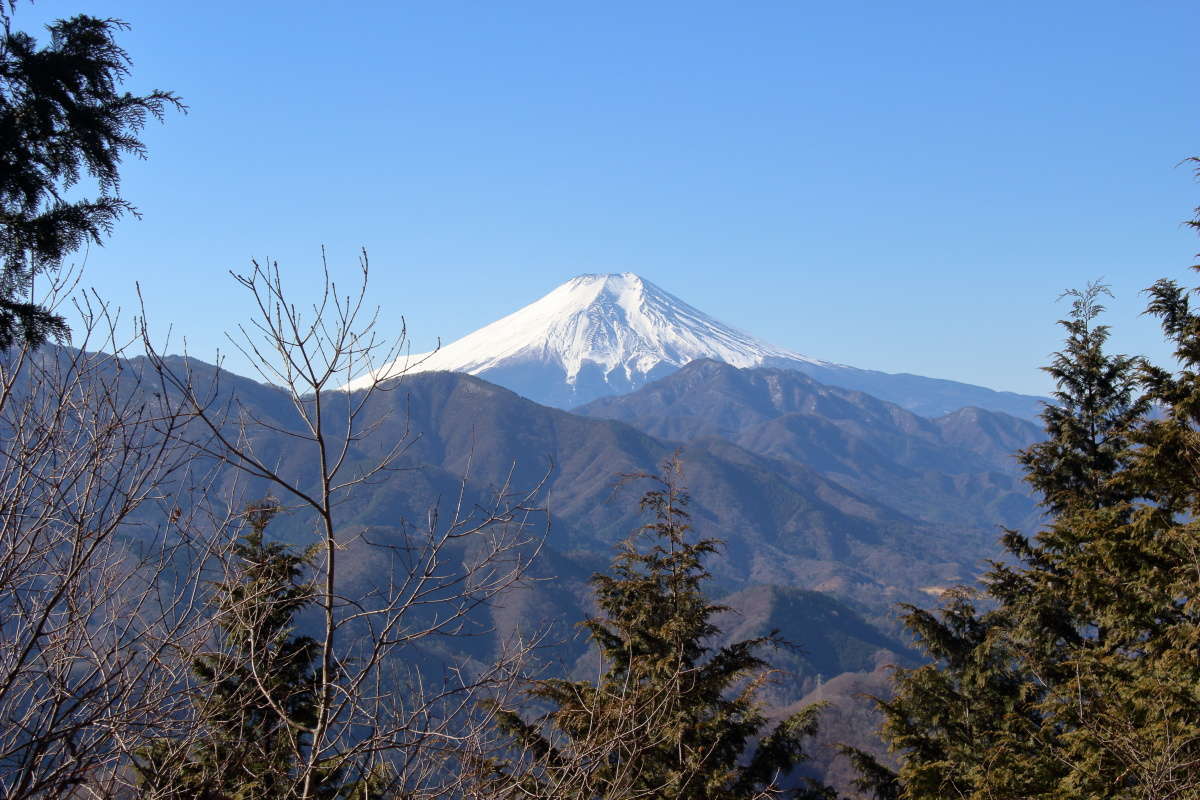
x,y
1088,427
62,116
982,719
873,777
966,723
1111,625
1058,606
1135,698
671,717
1093,643
255,703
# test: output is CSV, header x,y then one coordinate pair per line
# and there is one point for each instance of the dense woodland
x,y
160,639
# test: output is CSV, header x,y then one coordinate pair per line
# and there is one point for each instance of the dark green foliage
x,y
1053,606
981,719
873,778
1081,679
255,704
1088,428
966,723
62,117
670,716
1107,620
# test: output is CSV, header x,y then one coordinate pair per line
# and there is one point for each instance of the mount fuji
x,y
600,335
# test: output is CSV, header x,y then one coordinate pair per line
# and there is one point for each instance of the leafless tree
x,y
96,592
376,712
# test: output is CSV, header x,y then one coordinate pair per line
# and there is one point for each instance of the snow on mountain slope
x,y
598,335
621,325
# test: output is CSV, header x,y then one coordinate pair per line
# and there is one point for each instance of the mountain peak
x,y
610,333
607,279
594,335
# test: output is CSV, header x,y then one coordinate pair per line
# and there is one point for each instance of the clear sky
x,y
905,187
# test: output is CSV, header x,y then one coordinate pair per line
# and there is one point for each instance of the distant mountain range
x,y
956,469
812,487
833,505
600,335
837,492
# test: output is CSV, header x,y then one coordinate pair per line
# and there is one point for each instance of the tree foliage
x,y
62,117
974,721
1076,674
671,715
255,702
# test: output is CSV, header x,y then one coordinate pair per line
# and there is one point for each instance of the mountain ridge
x,y
953,469
617,328
794,532
608,334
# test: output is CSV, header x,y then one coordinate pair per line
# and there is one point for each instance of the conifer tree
x,y
1057,606
62,116
981,720
255,702
1135,698
671,717
1097,630
1120,561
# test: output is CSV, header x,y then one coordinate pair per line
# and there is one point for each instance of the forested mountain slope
x,y
957,469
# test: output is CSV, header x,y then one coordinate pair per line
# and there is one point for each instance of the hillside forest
x,y
730,584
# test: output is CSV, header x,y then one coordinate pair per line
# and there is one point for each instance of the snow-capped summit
x,y
598,335
592,336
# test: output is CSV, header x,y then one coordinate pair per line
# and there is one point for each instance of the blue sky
x,y
898,188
